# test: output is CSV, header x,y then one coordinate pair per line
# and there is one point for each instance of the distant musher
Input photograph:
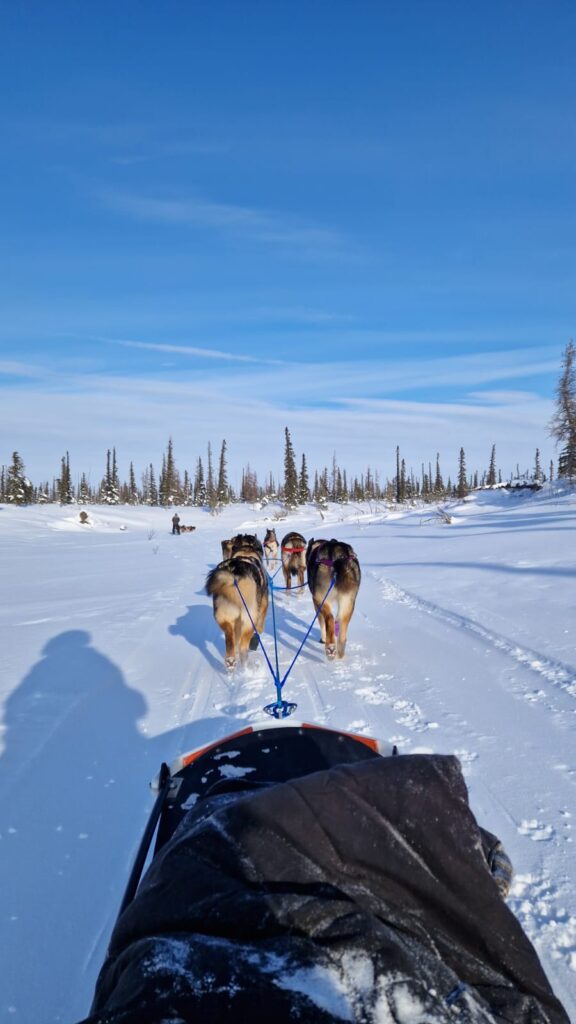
x,y
176,523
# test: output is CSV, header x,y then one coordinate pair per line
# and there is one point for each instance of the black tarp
x,y
361,893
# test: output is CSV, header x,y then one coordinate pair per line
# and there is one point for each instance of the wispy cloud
x,y
15,369
503,397
137,416
280,230
190,350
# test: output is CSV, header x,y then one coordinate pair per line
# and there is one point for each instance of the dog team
x,y
238,586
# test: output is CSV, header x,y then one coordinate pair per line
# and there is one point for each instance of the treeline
x,y
208,485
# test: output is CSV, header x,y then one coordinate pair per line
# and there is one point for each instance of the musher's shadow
x,y
74,762
73,759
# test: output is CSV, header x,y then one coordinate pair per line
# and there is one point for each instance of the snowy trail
x,y
461,643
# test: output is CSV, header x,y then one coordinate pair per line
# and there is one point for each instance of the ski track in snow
x,y
562,676
535,899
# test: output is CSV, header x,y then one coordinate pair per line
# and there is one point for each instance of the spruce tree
x,y
211,499
563,423
438,482
84,495
187,496
398,482
115,477
18,486
334,479
110,488
491,478
249,490
303,483
290,473
222,490
199,484
462,486
64,484
132,495
152,488
169,486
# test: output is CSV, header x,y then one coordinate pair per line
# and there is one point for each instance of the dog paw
x,y
230,663
331,651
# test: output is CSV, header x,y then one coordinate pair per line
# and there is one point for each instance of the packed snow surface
x,y
462,642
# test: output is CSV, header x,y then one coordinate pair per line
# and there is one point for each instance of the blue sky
x,y
354,219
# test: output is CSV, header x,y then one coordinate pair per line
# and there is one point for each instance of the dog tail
x,y
218,578
346,570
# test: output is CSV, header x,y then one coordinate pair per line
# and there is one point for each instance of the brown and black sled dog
x,y
293,554
328,560
241,540
238,586
271,548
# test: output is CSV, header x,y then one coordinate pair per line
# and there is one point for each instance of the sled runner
x,y
304,874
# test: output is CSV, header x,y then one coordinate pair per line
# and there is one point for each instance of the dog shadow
x,y
198,628
291,630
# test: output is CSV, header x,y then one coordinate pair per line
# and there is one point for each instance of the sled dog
x,y
239,592
293,554
328,560
241,540
271,548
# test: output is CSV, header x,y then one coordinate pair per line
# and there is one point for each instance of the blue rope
x,y
298,586
271,589
455,994
318,610
281,708
253,624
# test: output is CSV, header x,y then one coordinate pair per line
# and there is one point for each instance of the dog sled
x,y
297,873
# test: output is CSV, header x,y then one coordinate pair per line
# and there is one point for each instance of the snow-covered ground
x,y
462,642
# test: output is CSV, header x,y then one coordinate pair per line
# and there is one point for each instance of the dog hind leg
x,y
329,631
230,656
345,614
